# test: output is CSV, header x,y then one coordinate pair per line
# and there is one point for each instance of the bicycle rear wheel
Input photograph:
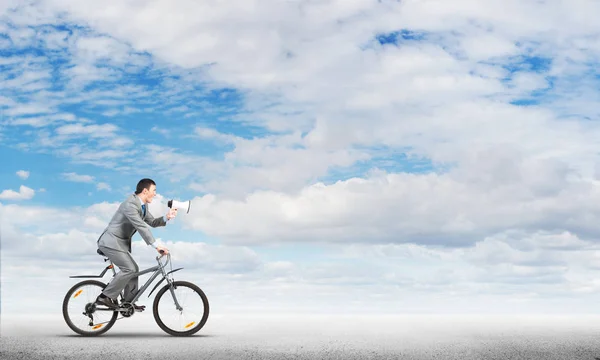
x,y
80,312
187,321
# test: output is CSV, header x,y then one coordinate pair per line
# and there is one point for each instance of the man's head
x,y
146,190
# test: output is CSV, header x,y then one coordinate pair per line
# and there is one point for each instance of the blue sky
x,y
437,159
151,109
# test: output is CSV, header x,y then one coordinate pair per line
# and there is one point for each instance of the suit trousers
x,y
126,279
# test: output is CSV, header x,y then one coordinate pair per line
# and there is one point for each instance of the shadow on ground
x,y
134,335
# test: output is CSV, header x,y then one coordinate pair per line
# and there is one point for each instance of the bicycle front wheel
x,y
190,318
80,312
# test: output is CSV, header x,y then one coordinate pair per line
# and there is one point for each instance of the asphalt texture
x,y
306,336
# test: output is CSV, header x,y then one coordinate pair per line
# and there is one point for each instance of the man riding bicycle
x,y
115,242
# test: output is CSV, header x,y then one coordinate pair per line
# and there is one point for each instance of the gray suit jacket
x,y
125,222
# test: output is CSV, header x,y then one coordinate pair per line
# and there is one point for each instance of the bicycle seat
x,y
100,252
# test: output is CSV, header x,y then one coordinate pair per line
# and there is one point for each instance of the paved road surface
x,y
286,336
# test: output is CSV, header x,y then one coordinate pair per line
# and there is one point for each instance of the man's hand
x,y
164,249
171,214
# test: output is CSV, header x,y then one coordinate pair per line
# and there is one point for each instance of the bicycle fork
x,y
172,286
177,306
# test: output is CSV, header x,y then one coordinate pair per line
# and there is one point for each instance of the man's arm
x,y
150,220
132,214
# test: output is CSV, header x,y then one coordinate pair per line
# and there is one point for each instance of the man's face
x,y
150,193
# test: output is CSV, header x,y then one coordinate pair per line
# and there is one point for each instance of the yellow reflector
x,y
97,326
190,324
77,293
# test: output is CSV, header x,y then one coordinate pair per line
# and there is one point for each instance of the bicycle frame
x,y
158,270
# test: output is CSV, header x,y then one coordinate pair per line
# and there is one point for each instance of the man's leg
x,y
132,286
125,279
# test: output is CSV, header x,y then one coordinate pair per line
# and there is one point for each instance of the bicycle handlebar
x,y
161,256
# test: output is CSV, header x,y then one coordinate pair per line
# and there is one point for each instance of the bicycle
x,y
90,309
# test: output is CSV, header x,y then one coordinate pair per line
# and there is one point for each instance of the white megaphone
x,y
184,205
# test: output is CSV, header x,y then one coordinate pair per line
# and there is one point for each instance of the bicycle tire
x,y
195,329
76,329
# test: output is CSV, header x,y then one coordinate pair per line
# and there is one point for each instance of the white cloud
x,y
78,178
510,267
446,210
277,162
105,130
42,121
93,49
484,47
30,80
178,165
109,158
417,95
443,98
516,187
212,134
24,193
103,186
83,74
23,174
28,109
164,132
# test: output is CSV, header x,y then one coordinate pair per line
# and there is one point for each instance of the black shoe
x,y
106,302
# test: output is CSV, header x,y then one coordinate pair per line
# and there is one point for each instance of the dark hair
x,y
144,184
